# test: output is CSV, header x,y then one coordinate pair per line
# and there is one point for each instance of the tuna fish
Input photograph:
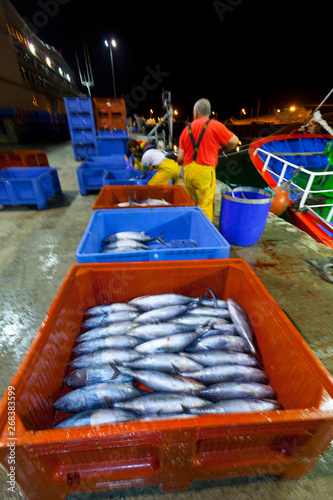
x,y
226,342
212,312
236,390
95,396
238,406
217,357
227,329
97,417
162,403
113,342
124,244
164,362
109,318
226,373
161,314
173,343
155,330
94,375
242,324
164,382
131,235
106,308
150,302
113,356
106,331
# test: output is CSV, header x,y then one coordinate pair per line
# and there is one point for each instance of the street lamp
x,y
110,44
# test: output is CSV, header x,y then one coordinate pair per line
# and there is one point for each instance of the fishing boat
x,y
303,163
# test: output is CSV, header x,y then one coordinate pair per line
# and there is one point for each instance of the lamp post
x,y
110,44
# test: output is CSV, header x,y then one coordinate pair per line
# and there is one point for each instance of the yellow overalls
x,y
200,180
166,171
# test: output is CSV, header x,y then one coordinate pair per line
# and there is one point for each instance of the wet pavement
x,y
38,247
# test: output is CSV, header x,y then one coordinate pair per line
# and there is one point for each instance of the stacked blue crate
x,y
82,129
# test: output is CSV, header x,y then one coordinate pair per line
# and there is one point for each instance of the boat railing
x,y
308,190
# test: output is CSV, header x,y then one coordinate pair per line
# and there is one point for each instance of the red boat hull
x,y
307,222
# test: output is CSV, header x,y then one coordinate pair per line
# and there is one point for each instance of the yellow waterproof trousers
x,y
200,182
168,169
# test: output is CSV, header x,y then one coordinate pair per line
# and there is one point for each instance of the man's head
x,y
202,108
133,146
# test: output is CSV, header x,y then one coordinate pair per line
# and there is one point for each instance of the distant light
x,y
278,111
175,148
48,61
113,43
237,149
61,72
32,48
243,111
292,108
68,77
175,112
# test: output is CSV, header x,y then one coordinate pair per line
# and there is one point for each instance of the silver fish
x,y
109,318
236,390
242,324
164,362
162,403
173,343
225,342
212,312
113,342
130,235
106,308
238,406
124,244
218,357
94,375
211,303
106,331
195,321
150,302
155,330
226,373
113,356
164,382
95,396
96,417
161,314
227,329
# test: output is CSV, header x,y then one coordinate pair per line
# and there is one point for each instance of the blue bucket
x,y
244,211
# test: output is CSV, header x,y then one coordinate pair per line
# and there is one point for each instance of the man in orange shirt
x,y
199,146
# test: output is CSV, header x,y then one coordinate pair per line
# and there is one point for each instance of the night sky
x,y
233,52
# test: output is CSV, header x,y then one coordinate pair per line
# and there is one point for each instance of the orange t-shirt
x,y
215,136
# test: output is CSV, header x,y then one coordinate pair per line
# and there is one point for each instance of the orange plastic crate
x,y
109,196
18,158
51,463
109,113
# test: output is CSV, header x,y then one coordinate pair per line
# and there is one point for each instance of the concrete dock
x,y
37,249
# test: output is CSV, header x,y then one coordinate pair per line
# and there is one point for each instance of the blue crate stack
x,y
82,128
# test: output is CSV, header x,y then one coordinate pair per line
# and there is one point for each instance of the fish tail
x,y
185,408
108,402
214,298
116,371
159,238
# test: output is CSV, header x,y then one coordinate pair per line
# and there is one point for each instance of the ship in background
x,y
34,79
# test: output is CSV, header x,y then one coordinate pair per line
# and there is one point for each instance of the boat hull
x,y
306,221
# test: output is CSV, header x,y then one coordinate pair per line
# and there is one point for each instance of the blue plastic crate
x,y
176,223
123,178
79,104
112,143
28,186
91,172
82,121
84,151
